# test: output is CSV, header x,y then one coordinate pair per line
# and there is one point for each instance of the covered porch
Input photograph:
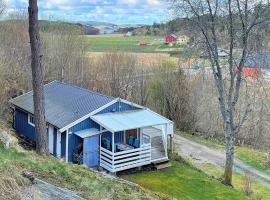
x,y
131,139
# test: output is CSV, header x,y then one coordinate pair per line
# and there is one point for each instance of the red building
x,y
170,39
254,65
250,72
142,43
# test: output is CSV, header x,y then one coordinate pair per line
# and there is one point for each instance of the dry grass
x,y
15,162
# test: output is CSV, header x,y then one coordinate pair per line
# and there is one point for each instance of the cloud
x,y
154,2
128,1
113,11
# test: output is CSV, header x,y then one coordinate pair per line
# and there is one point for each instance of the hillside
x,y
181,181
16,162
86,183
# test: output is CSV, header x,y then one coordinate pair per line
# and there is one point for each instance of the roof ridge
x,y
11,100
87,90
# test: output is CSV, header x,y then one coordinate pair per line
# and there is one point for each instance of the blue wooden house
x,y
94,129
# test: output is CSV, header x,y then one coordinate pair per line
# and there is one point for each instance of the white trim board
x,y
29,121
98,110
88,115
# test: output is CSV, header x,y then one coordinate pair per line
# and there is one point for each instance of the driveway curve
x,y
200,154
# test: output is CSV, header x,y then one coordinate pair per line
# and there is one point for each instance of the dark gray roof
x,y
258,60
64,103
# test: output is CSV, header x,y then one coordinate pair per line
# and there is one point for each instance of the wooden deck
x,y
123,160
157,146
151,150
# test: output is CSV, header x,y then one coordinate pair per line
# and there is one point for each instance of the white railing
x,y
123,160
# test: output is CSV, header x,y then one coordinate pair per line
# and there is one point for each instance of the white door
x,y
50,129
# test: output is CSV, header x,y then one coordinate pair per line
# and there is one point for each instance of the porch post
x,y
166,140
67,134
140,132
99,149
113,150
58,144
171,144
113,142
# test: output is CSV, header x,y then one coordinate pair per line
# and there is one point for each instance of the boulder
x,y
5,138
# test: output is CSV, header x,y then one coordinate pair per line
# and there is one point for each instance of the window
x,y
31,120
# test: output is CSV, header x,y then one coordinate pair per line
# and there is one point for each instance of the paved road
x,y
199,154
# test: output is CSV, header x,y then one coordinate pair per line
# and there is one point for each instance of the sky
x,y
112,11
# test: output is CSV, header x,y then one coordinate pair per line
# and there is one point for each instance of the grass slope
x,y
257,191
88,184
120,43
182,181
253,157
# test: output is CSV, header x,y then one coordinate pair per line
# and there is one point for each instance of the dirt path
x,y
200,154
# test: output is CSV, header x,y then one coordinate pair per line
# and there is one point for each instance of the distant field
x,y
107,43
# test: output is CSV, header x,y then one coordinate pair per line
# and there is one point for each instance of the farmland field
x,y
107,43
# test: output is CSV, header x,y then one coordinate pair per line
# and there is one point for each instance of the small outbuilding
x,y
142,43
129,34
256,64
183,39
171,39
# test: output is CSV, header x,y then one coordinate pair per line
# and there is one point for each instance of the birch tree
x,y
37,79
232,22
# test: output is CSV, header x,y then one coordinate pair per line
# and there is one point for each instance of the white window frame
x,y
29,121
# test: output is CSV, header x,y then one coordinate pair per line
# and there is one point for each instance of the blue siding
x,y
63,144
71,146
22,126
87,123
74,140
118,107
54,142
91,151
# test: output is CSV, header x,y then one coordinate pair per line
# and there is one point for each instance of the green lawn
x,y
166,46
87,183
257,190
120,43
255,158
182,181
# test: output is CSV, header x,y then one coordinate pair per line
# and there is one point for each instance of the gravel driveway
x,y
199,154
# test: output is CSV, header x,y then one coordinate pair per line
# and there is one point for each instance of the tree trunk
x,y
37,79
229,156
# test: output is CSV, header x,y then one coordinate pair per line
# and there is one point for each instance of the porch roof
x,y
87,132
120,121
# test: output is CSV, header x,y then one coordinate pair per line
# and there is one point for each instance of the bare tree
x,y
37,79
238,18
2,7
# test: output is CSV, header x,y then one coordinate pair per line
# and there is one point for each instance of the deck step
x,y
162,165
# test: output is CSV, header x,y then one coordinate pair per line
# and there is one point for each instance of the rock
x,y
49,191
5,138
30,176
